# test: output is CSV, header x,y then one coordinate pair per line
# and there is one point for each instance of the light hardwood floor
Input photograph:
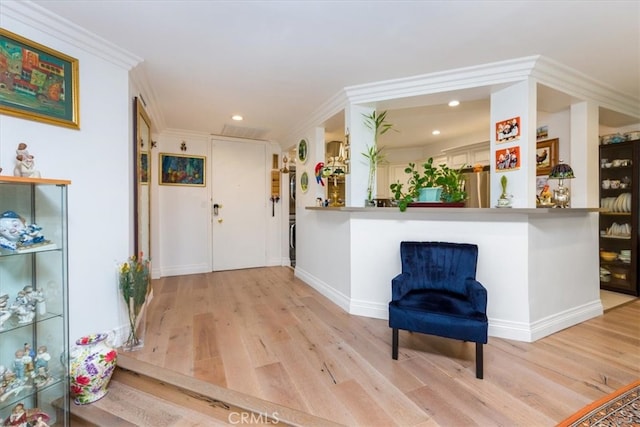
x,y
265,333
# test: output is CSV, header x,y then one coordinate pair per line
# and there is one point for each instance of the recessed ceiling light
x,y
435,132
237,117
454,103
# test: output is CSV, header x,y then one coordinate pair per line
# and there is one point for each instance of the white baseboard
x,y
518,331
336,297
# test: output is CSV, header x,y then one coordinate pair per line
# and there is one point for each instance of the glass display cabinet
x,y
619,234
33,301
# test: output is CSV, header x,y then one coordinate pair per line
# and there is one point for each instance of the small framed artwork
x,y
178,169
303,150
38,83
542,132
546,156
304,182
144,168
508,130
508,159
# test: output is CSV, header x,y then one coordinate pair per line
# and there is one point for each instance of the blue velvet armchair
x,y
437,294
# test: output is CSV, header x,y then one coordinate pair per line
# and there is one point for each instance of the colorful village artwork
x,y
31,80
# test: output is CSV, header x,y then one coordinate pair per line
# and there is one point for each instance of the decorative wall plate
x,y
304,182
303,150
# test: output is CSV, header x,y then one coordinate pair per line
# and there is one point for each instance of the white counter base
x,y
540,266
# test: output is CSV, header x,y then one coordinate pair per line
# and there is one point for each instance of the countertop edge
x,y
475,211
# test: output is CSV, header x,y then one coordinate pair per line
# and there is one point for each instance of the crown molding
x,y
496,73
138,77
56,26
328,109
581,86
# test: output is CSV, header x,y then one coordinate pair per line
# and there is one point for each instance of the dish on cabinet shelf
x,y
620,203
618,230
608,256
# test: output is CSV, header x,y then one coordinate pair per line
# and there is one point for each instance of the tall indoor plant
x,y
374,155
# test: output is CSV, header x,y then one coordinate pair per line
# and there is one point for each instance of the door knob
x,y
220,220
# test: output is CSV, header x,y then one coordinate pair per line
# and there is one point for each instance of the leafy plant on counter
x,y
451,181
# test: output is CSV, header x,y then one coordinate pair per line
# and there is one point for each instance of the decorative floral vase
x,y
91,364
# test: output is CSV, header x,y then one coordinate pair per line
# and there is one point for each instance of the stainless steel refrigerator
x,y
478,188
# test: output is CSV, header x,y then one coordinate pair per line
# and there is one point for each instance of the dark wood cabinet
x,y
619,231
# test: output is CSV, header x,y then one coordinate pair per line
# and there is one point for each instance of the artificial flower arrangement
x,y
134,282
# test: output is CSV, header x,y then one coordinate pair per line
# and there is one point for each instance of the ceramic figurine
x,y
24,306
41,375
18,365
12,227
25,165
5,313
15,233
22,417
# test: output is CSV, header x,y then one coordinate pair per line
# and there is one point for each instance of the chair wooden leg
x,y
479,361
394,344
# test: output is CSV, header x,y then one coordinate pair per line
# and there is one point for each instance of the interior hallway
x,y
265,333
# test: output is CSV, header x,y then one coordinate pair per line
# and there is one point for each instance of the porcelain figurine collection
x,y
28,302
28,369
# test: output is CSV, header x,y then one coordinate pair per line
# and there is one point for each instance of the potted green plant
x,y
446,182
374,155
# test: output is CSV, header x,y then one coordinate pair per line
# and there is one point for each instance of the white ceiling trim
x,y
35,16
139,79
574,83
328,109
444,81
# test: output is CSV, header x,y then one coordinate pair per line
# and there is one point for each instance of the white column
x,y
517,100
360,137
584,155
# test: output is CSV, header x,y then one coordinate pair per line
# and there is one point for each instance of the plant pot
x,y
430,194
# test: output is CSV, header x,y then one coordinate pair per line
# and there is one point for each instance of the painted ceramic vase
x,y
91,364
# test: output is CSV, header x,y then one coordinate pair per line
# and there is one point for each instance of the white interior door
x,y
239,188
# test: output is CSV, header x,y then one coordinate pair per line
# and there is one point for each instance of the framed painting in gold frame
x,y
179,169
546,156
38,83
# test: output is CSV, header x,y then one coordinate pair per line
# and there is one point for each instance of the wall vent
x,y
244,132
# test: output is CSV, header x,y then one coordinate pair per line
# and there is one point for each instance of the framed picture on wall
x,y
38,83
508,130
546,156
179,169
508,159
144,168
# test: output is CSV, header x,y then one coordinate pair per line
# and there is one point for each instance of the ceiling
x,y
275,62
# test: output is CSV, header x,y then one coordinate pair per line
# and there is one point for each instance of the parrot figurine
x,y
319,168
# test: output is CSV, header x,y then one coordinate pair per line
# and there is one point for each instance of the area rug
x,y
620,408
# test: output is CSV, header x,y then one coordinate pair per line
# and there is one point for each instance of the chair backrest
x,y
439,265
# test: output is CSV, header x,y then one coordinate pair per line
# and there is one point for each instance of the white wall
x,y
182,242
98,160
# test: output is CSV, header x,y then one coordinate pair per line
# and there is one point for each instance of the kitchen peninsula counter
x,y
474,211
539,265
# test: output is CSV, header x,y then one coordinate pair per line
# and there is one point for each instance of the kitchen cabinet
x,y
619,231
33,298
